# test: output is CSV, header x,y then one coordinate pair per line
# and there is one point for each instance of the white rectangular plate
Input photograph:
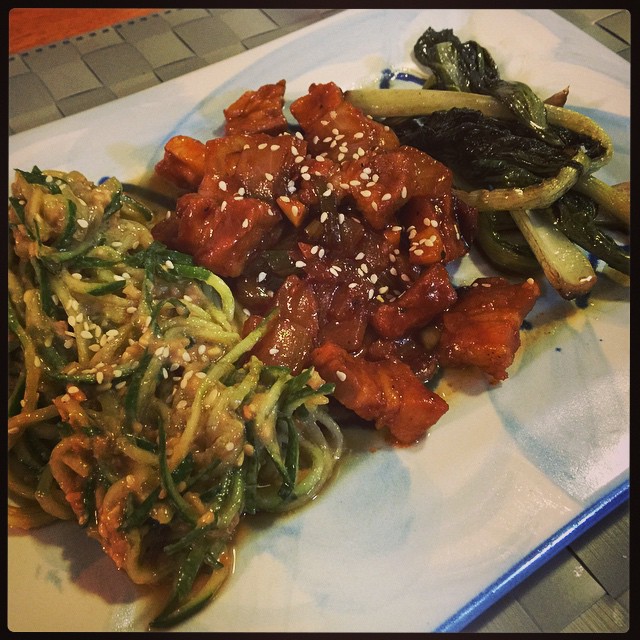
x,y
421,538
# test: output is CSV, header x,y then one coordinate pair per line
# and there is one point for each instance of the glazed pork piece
x,y
385,392
258,111
482,329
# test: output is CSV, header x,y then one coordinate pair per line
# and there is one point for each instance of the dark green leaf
x,y
35,176
575,215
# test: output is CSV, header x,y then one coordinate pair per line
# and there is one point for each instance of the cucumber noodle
x,y
135,406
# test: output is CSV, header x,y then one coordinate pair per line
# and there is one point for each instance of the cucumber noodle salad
x,y
171,372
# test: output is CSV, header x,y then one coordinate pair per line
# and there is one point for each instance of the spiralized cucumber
x,y
135,401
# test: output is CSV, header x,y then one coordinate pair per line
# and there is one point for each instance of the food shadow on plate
x,y
71,555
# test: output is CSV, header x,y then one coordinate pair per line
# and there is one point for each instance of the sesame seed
x,y
262,145
386,196
87,335
73,389
300,264
131,309
83,223
77,276
274,147
245,223
403,193
182,404
323,216
365,193
273,350
99,377
358,135
341,375
360,256
352,285
223,185
374,206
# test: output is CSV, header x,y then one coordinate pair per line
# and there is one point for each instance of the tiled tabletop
x,y
585,587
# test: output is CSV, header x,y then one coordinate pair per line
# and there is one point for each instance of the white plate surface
x,y
405,539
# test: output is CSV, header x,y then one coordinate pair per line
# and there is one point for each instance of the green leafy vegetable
x,y
467,66
575,215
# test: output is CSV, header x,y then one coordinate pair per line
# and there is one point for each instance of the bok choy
x,y
509,151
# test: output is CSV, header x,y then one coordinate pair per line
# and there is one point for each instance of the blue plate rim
x,y
534,560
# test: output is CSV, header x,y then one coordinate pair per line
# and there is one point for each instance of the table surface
x,y
584,587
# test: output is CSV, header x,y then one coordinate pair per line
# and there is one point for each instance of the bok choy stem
x,y
566,267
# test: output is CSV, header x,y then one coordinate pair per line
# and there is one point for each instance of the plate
x,y
422,538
